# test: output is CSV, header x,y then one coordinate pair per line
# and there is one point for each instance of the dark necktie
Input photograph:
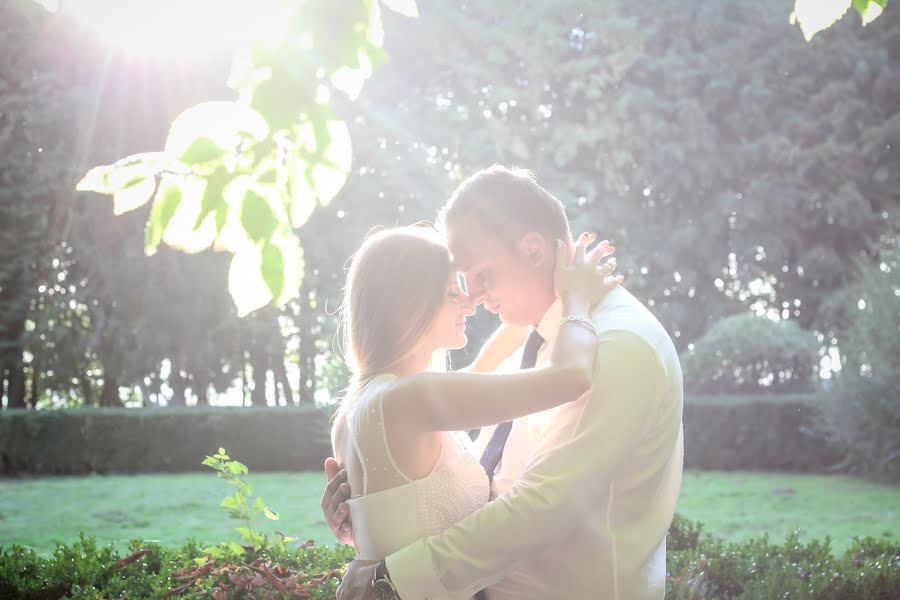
x,y
493,452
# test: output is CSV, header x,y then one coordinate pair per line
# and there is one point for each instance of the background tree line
x,y
736,167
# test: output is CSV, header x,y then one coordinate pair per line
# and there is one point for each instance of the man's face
x,y
506,278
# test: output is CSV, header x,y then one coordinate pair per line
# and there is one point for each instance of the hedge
x,y
771,433
85,440
755,433
698,566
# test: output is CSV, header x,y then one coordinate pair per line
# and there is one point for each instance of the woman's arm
x,y
502,343
460,401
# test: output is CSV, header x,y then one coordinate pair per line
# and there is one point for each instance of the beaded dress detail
x,y
388,520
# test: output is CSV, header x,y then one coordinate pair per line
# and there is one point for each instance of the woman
x,y
412,476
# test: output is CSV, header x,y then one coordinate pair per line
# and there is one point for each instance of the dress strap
x,y
370,407
387,448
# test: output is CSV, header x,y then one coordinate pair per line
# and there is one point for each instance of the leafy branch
x,y
241,176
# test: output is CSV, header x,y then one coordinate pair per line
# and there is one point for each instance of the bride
x,y
396,430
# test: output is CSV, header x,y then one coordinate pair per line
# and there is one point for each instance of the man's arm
x,y
563,484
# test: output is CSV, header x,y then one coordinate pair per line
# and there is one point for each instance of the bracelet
x,y
586,322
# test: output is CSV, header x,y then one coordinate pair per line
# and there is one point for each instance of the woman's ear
x,y
533,247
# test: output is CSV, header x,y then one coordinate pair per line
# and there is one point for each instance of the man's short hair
x,y
506,202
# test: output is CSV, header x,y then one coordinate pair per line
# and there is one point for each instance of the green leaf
x,y
213,196
270,514
320,166
245,283
236,549
259,505
181,232
869,10
272,268
237,468
209,461
257,217
245,532
202,150
817,15
134,194
108,179
168,197
224,124
230,502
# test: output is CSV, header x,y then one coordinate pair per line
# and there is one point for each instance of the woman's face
x,y
448,330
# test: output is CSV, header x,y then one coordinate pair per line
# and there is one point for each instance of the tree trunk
x,y
86,390
35,394
307,359
258,364
110,395
282,379
178,388
15,373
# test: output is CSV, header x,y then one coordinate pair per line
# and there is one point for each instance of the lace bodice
x,y
387,520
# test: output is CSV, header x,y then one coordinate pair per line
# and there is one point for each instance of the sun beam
x,y
175,28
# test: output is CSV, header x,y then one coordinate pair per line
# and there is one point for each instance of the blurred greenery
x,y
736,167
171,508
862,414
748,353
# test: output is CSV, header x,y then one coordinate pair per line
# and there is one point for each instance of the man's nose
x,y
468,308
476,297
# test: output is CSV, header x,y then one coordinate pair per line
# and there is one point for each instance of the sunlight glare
x,y
173,28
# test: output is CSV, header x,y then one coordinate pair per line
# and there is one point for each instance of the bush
x,y
698,566
755,433
82,570
758,569
765,433
750,354
70,442
862,415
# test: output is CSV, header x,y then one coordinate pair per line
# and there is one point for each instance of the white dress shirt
x,y
585,492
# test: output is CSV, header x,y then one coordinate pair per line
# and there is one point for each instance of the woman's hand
x,y
585,279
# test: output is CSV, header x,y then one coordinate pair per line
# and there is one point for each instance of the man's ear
x,y
533,247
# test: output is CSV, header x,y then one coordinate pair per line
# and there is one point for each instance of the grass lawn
x,y
171,508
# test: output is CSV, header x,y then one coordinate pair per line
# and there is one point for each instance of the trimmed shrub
x,y
698,567
758,569
765,433
749,354
755,433
70,442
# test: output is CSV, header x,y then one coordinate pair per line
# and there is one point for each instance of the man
x,y
584,493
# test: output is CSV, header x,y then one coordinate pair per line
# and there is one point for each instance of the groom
x,y
584,493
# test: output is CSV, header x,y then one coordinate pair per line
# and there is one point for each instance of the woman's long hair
x,y
396,285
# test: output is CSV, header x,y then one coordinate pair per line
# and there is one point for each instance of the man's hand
x,y
357,583
334,502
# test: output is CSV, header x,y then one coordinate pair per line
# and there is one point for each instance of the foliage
x,y
774,433
69,442
82,570
698,566
862,414
237,506
735,167
710,568
814,15
242,175
747,353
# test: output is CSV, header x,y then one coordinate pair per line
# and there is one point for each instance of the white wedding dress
x,y
410,509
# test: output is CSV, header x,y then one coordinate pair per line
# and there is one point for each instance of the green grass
x,y
171,508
